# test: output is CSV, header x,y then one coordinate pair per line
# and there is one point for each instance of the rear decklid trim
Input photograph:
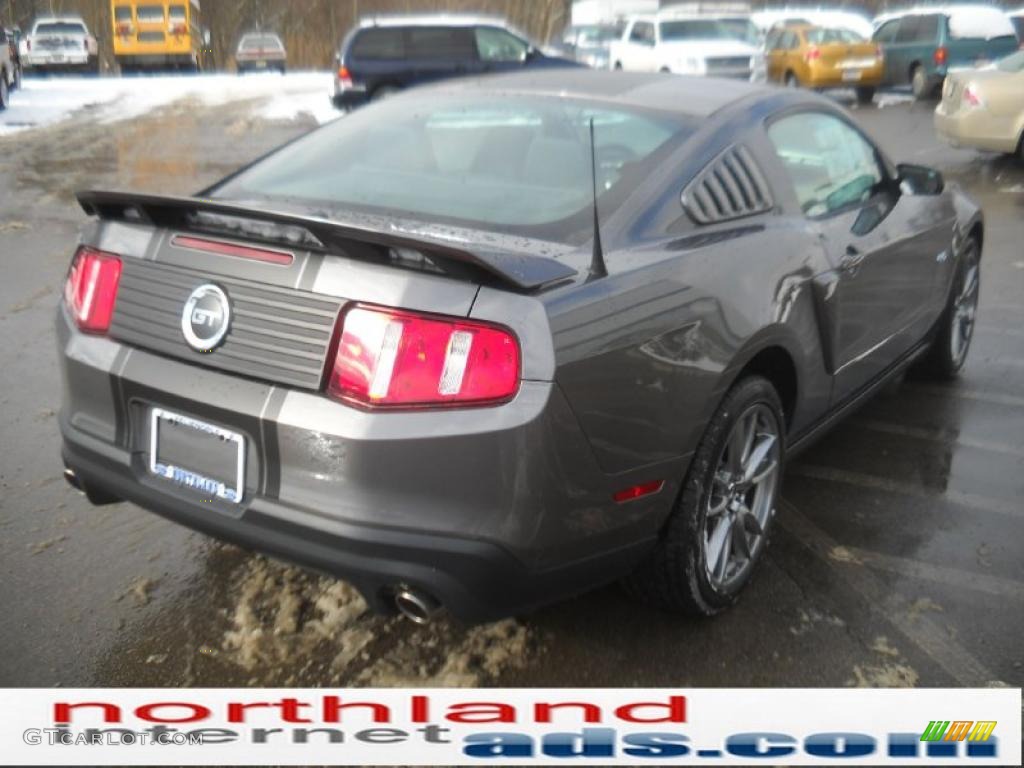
x,y
518,270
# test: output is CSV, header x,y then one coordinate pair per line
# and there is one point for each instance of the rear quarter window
x,y
377,44
441,43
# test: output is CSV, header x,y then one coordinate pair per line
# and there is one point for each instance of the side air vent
x,y
731,187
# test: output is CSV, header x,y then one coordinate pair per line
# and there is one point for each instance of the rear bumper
x,y
349,96
971,128
492,512
56,61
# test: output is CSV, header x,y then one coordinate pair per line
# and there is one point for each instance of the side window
x,y
772,42
441,43
790,41
643,33
499,45
831,165
928,29
909,29
887,32
379,44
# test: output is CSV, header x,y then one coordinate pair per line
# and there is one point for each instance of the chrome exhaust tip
x,y
72,479
419,607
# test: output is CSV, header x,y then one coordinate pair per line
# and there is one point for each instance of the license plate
x,y
56,58
851,75
193,454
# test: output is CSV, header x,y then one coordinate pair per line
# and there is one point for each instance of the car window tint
x,y
694,29
790,41
887,32
441,43
379,44
495,44
521,165
177,12
643,32
123,13
830,164
60,28
266,42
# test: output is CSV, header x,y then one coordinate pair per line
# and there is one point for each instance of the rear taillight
x,y
972,97
344,76
396,359
814,52
91,289
124,30
879,53
940,56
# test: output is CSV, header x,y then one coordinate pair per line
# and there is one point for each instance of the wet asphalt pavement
x,y
896,560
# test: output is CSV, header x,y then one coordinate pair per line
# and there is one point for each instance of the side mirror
x,y
920,180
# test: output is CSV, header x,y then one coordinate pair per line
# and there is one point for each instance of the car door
x,y
499,50
881,284
774,56
885,36
640,47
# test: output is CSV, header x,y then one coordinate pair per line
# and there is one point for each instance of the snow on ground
x,y
42,102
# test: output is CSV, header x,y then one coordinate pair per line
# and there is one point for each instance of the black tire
x,y
865,94
919,83
618,66
945,358
5,95
676,575
791,80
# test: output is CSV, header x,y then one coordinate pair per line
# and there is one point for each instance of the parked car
x,y
921,46
984,108
8,69
494,342
385,55
816,17
590,44
60,43
259,52
816,57
13,35
685,44
1017,19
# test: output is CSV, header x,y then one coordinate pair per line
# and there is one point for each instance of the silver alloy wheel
x,y
965,309
741,501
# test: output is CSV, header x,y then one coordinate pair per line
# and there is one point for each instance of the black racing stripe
x,y
311,273
117,394
271,444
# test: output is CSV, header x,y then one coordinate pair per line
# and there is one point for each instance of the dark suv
x,y
382,56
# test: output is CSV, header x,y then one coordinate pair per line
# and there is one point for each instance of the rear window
x,y
511,164
60,28
150,13
379,44
177,12
918,29
262,42
123,13
823,36
441,43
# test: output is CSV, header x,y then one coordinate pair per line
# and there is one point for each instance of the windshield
x,y
819,36
1012,63
513,164
60,28
695,29
742,29
150,13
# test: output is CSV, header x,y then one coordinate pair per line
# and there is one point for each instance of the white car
x,y
686,45
59,43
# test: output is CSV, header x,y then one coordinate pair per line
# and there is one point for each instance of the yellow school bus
x,y
158,34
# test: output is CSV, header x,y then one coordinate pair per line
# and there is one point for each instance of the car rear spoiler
x,y
525,272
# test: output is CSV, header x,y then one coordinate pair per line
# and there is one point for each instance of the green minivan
x,y
921,46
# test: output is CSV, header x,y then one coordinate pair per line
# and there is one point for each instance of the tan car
x,y
816,57
984,108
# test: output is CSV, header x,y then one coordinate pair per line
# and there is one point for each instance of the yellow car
x,y
984,108
816,57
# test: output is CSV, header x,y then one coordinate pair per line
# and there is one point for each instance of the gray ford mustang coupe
x,y
489,344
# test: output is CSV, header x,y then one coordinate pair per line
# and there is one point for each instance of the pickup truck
x,y
60,43
686,45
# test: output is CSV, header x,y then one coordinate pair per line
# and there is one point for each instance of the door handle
x,y
852,259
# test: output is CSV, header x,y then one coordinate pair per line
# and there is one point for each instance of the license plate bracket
x,y
851,75
196,455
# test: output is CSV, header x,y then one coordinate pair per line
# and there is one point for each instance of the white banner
x,y
224,726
